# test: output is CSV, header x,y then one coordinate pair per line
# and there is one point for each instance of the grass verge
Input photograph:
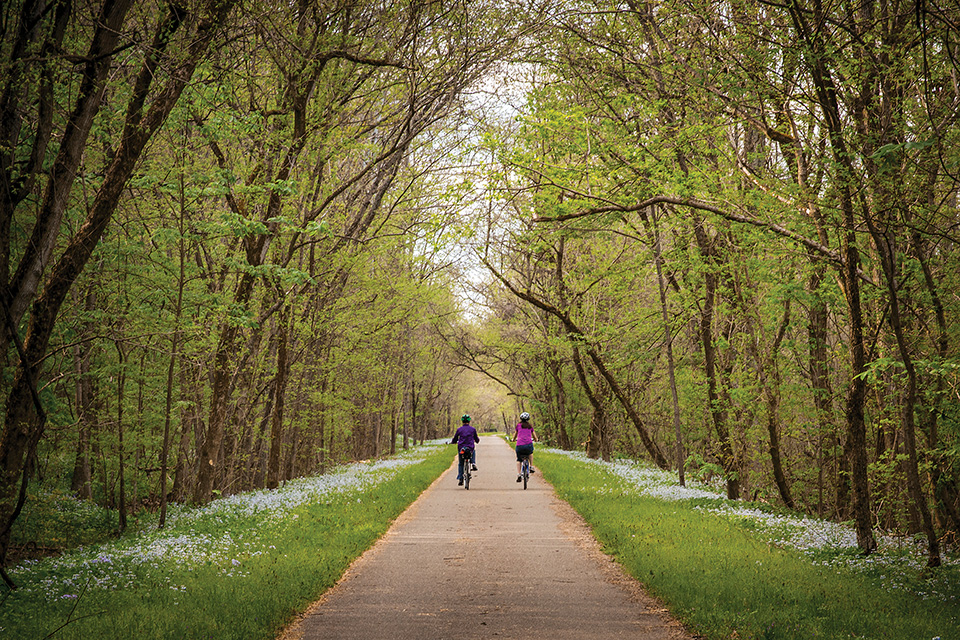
x,y
242,567
724,578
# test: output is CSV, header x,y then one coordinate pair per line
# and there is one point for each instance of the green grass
x,y
723,580
242,568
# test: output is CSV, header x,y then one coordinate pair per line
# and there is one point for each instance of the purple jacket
x,y
465,437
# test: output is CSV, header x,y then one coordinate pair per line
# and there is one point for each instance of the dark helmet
x,y
524,417
465,418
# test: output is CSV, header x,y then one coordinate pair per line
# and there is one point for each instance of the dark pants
x,y
469,457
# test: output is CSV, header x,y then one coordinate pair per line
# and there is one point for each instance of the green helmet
x,y
465,418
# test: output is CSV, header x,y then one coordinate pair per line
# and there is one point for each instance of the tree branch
x,y
701,205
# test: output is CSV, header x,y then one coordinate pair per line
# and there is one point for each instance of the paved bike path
x,y
492,562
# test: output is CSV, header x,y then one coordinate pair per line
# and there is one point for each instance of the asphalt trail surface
x,y
492,562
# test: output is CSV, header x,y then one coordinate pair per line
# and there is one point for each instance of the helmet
x,y
524,416
465,418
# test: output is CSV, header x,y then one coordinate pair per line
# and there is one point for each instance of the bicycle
x,y
465,456
525,470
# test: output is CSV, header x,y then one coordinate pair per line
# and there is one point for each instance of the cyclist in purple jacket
x,y
466,438
524,436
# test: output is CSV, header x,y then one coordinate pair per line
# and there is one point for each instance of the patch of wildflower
x,y
648,481
150,558
825,543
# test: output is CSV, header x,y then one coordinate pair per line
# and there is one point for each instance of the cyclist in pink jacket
x,y
524,436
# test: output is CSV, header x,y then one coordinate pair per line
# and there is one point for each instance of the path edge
x,y
579,531
294,629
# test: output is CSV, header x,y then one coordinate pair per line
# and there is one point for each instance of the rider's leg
x,y
526,451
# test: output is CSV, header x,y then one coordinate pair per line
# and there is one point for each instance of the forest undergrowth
x,y
731,569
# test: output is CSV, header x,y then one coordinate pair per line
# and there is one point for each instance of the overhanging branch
x,y
701,205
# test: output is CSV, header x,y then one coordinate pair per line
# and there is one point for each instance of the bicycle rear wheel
x,y
526,471
465,462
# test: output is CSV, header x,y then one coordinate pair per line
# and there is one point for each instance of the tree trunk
x,y
773,428
168,410
63,173
174,347
596,418
377,419
888,256
184,471
276,424
220,393
322,422
769,377
718,412
856,395
826,93
121,383
668,347
595,438
393,428
28,31
80,483
294,466
817,318
414,403
943,489
563,434
407,401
